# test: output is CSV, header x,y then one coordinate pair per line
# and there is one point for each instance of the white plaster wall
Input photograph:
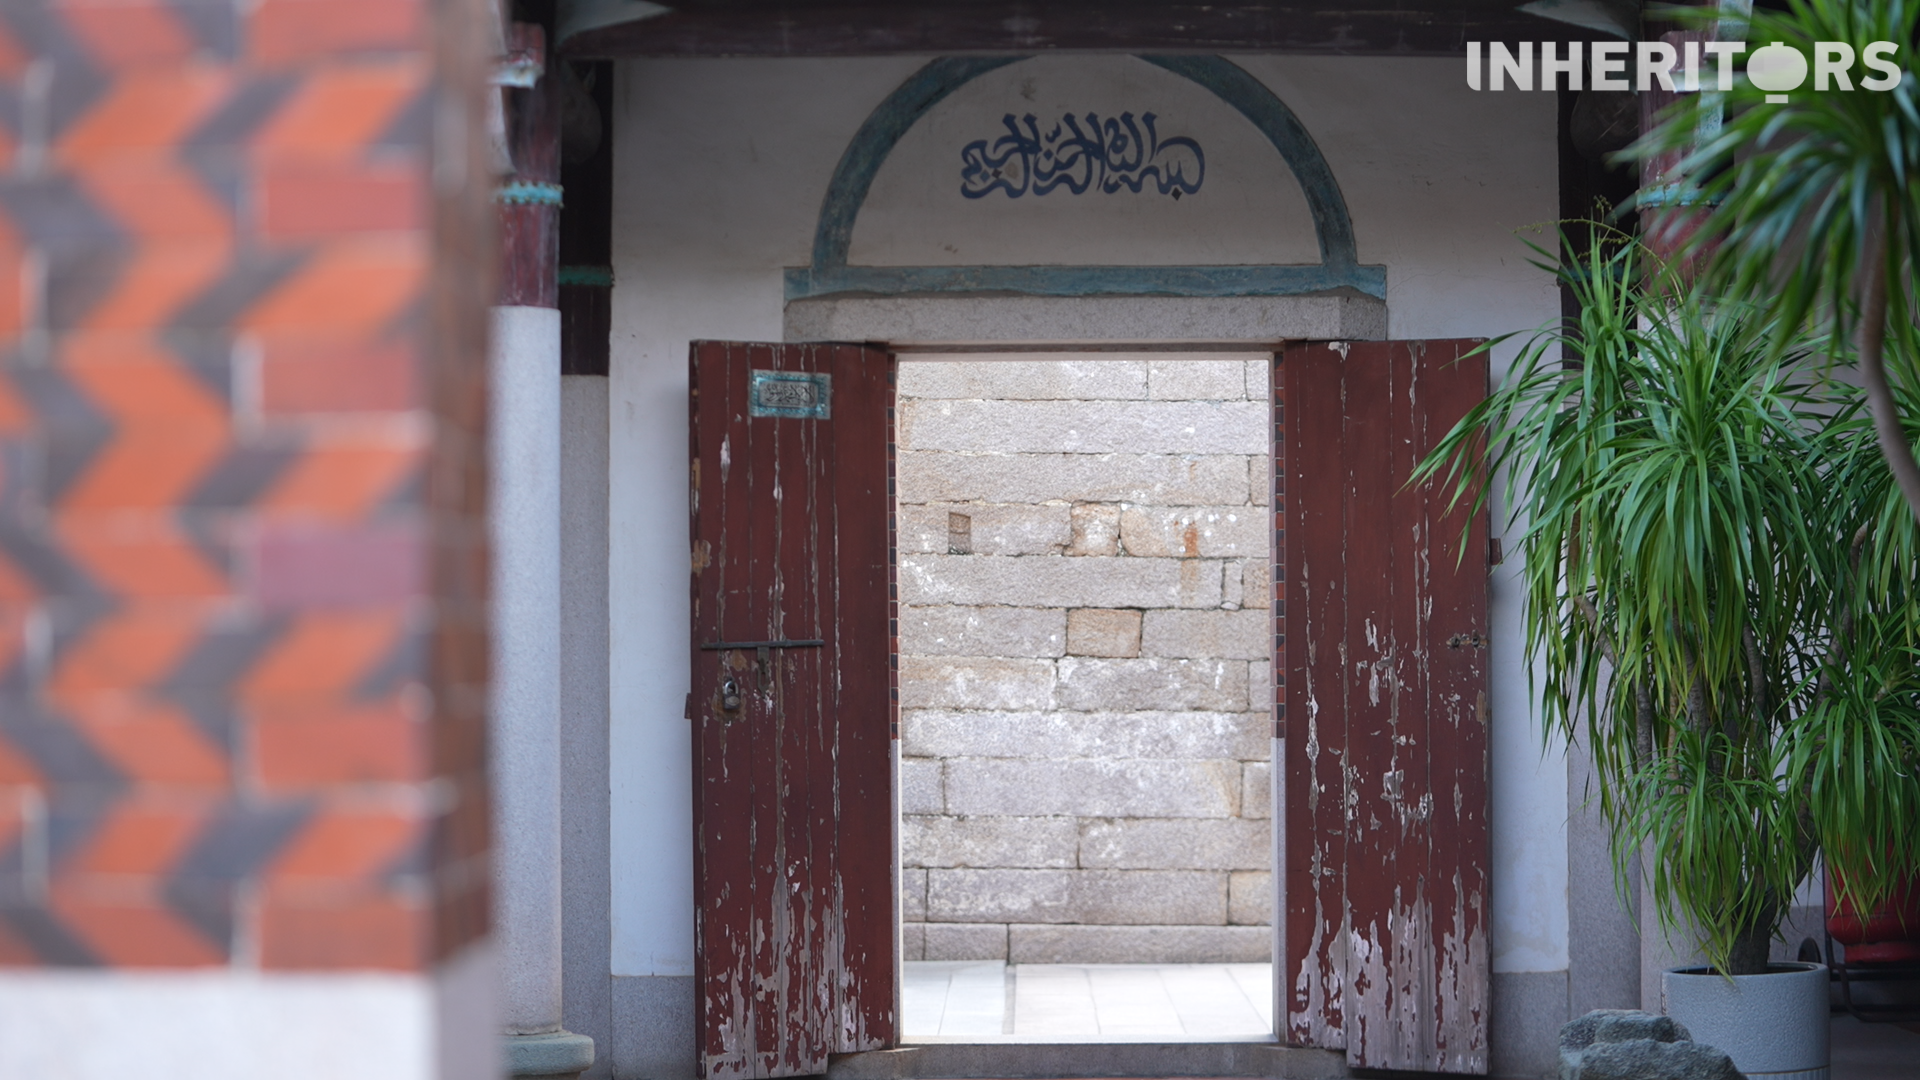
x,y
720,167
718,171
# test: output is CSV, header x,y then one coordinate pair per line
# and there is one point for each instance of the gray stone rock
x,y
1620,1025
1647,1059
1624,1044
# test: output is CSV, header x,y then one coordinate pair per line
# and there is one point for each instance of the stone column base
x,y
555,1054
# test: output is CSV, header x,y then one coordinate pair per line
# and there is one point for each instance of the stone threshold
x,y
1016,1061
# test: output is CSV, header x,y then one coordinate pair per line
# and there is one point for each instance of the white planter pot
x,y
1774,1026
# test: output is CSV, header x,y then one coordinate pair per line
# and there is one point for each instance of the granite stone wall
x,y
1084,669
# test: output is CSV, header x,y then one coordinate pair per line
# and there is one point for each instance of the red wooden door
x,y
793,802
1385,718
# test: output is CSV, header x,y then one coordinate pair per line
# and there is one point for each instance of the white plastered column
x,y
524,486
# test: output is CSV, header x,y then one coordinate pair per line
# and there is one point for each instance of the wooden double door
x,y
1380,715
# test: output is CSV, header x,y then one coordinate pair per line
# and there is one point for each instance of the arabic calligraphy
x,y
1108,154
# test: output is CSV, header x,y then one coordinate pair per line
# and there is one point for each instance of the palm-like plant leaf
x,y
1693,503
1813,205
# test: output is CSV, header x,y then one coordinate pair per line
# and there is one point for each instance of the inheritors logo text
x,y
1775,68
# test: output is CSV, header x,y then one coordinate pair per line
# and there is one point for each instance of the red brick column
x,y
245,254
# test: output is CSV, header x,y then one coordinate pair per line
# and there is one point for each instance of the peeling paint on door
x,y
794,932
1385,884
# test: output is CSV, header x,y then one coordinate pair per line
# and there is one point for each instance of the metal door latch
x,y
764,673
730,694
1471,641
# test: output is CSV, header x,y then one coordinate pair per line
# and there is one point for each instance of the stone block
x,y
913,941
1151,683
1056,944
988,842
1233,580
1096,529
1183,379
1195,531
998,378
1084,427
1137,788
1103,632
993,528
1260,686
961,941
999,895
982,631
1099,897
1058,581
1256,787
981,682
1260,379
1113,736
1256,584
1148,897
1206,635
1260,480
922,786
913,893
1199,582
1159,479
1250,898
1174,844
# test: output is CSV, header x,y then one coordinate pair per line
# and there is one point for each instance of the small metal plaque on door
x,y
799,394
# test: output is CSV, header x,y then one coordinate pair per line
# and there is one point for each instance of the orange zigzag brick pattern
x,y
242,569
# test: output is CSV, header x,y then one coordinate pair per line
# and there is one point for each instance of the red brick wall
x,y
242,407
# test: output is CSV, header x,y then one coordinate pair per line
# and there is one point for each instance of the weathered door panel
x,y
793,823
1314,595
1385,796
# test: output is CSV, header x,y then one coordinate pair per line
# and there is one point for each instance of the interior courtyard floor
x,y
993,1001
973,1001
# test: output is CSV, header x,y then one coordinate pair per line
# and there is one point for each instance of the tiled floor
x,y
991,1001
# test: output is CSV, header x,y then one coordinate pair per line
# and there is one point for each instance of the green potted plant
x,y
1720,587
